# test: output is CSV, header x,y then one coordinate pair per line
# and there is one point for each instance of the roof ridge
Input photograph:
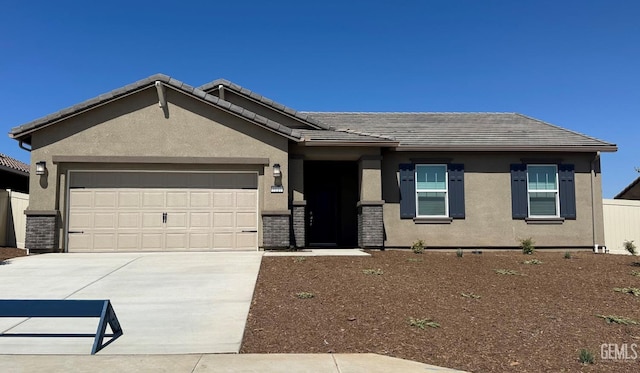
x,y
408,112
565,129
367,134
264,100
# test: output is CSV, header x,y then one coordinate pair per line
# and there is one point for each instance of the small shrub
x,y
586,357
635,273
532,261
372,271
633,291
630,247
423,323
459,253
526,244
299,259
418,247
508,272
470,295
567,255
305,295
610,319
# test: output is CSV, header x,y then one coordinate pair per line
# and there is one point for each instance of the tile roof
x,y
465,131
13,164
264,100
347,136
25,129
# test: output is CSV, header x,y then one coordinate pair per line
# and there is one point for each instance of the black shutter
x,y
519,191
407,191
456,190
567,191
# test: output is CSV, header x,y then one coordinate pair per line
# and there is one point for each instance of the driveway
x,y
167,303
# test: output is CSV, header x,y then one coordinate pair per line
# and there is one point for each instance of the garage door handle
x,y
249,231
76,232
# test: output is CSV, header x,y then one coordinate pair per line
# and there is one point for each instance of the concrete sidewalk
x,y
219,363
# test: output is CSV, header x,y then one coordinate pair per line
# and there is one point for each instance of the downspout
x,y
221,91
593,202
21,145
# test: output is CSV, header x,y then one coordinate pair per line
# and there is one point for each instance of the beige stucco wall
x,y
488,221
135,126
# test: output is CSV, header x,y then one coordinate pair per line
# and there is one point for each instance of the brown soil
x,y
534,322
10,252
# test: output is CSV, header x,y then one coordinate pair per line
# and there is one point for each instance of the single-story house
x,y
161,165
14,174
631,191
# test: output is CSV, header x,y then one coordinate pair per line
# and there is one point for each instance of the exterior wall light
x,y
41,168
277,179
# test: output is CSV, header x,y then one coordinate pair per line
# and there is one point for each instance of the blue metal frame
x,y
65,308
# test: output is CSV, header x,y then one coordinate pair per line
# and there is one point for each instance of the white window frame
x,y
445,190
556,191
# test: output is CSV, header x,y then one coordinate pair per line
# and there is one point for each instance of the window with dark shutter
x,y
567,191
407,191
519,196
456,191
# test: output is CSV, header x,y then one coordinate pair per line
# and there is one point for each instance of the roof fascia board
x,y
380,144
580,149
13,171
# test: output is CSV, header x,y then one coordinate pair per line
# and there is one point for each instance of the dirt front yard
x,y
492,312
10,252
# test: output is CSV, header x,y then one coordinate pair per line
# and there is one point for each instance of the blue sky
x,y
572,63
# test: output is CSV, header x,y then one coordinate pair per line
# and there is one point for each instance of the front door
x,y
331,191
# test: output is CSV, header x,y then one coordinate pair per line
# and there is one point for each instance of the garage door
x,y
162,211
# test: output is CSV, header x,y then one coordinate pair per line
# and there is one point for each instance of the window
x,y
431,190
542,190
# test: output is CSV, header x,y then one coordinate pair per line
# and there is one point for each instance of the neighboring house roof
x,y
465,131
263,100
632,191
24,130
13,165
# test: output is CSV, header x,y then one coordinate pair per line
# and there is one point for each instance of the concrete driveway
x,y
167,303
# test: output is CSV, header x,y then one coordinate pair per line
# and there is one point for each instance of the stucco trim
x,y
41,212
419,220
544,220
299,203
431,160
160,160
370,203
276,213
542,160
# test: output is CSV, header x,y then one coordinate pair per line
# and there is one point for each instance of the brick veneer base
x,y
298,213
370,226
42,234
276,231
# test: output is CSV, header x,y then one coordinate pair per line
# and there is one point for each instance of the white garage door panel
x,y
111,211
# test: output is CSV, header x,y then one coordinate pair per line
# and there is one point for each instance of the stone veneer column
x,y
42,232
370,224
276,229
298,218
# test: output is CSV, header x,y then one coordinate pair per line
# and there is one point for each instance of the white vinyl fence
x,y
13,222
621,223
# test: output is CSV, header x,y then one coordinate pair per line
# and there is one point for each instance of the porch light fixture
x,y
277,179
277,172
41,168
